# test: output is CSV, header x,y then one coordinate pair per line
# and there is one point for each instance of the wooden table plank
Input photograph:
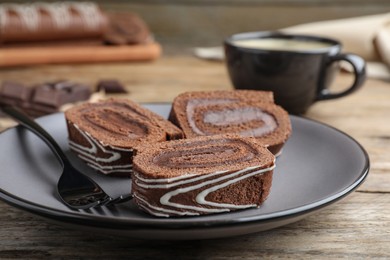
x,y
354,228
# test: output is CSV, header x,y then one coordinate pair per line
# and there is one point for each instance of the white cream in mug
x,y
282,44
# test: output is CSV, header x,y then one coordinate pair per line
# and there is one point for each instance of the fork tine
x,y
124,198
83,207
104,202
120,199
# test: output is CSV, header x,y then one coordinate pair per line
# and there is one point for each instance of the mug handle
x,y
359,70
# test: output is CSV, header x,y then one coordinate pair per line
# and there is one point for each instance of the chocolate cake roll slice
x,y
103,134
202,175
245,112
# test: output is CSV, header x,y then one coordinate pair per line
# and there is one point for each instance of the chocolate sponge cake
x,y
245,112
201,175
103,134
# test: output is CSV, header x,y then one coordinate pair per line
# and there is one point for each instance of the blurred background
x,y
206,22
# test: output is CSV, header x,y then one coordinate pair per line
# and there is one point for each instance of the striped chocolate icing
x,y
202,176
103,134
98,157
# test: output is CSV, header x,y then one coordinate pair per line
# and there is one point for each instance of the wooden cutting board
x,y
17,56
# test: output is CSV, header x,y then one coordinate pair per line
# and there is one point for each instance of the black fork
x,y
76,190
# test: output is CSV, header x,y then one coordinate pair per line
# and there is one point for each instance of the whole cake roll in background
x,y
202,175
103,134
72,32
51,21
245,112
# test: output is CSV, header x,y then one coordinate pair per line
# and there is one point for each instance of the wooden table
x,y
356,227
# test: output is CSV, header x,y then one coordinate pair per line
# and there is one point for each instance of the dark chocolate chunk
x,y
15,94
58,93
42,99
15,90
111,86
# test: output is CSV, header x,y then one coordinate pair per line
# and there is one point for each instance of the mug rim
x,y
335,44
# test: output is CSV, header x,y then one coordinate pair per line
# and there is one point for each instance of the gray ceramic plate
x,y
319,165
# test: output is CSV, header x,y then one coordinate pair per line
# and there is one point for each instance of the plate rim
x,y
120,223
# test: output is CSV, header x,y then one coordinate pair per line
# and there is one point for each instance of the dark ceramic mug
x,y
298,77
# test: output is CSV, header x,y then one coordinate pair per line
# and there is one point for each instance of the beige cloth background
x,y
366,36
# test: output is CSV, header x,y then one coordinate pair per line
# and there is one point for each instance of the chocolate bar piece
x,y
42,99
14,93
58,93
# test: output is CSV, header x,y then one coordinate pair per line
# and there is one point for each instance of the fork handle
x,y
30,124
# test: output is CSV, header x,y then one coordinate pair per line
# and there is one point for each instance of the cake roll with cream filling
x,y
40,21
247,113
202,175
103,134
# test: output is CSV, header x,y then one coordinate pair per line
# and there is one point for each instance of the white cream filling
x,y
193,104
228,117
